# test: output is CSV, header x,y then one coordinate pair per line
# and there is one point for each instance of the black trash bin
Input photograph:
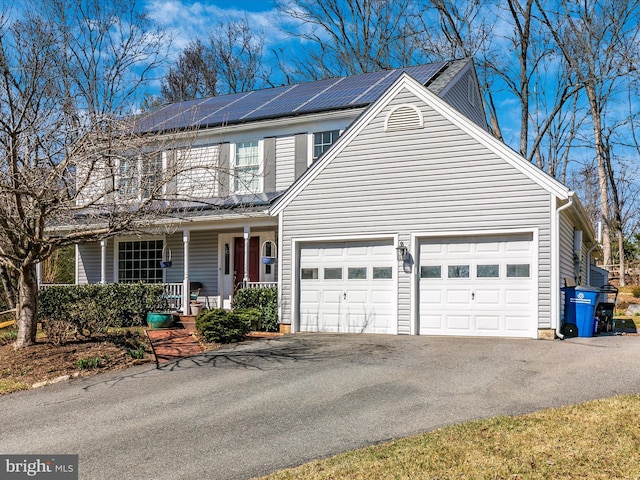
x,y
580,309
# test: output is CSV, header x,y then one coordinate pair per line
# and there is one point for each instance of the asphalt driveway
x,y
253,408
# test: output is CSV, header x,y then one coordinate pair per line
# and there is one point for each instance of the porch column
x,y
39,273
247,238
186,236
103,261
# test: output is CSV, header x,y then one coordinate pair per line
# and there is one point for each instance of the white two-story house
x,y
377,203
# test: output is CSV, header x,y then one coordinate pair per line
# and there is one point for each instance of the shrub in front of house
x,y
89,309
264,299
635,291
226,326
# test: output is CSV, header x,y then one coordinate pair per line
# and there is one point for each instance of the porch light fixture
x,y
402,251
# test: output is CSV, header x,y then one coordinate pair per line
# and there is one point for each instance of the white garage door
x,y
478,286
348,287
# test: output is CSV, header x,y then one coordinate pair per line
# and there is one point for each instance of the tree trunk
x,y
621,254
603,179
27,314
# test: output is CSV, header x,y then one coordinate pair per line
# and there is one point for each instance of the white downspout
x,y
555,265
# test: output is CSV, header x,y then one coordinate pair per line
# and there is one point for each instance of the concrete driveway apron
x,y
260,406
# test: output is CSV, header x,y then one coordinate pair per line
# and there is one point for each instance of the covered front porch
x,y
203,263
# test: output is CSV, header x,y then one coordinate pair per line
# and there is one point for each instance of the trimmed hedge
x,y
226,326
118,304
264,299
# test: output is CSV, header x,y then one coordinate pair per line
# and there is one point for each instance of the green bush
x,y
226,326
635,291
264,299
95,306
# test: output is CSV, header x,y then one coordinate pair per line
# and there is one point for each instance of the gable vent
x,y
403,117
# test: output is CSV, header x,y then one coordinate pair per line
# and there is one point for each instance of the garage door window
x,y
333,273
518,270
488,271
357,273
431,271
458,271
382,273
309,274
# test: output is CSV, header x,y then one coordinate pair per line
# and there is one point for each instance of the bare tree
x,y
69,72
450,29
348,37
598,41
194,75
236,49
228,60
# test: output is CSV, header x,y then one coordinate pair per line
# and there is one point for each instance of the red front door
x,y
238,260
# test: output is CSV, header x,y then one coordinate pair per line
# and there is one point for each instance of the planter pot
x,y
159,319
165,264
196,308
268,260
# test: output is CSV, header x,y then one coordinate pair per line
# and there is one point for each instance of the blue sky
x,y
188,19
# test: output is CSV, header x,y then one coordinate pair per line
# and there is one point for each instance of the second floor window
x,y
322,141
140,176
247,167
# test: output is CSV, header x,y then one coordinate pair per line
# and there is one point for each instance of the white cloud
x,y
188,20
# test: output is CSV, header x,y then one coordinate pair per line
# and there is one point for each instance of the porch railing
x,y
44,286
173,293
261,284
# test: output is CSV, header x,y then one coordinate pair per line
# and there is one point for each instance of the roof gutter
x,y
556,262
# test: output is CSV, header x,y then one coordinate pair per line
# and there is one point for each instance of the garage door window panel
x,y
521,270
357,273
458,271
382,273
431,271
309,274
333,273
488,271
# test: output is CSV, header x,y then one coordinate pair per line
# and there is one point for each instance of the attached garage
x,y
485,237
348,287
478,286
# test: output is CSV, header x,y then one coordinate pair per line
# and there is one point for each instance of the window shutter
x,y
403,118
109,182
269,164
301,153
223,170
171,185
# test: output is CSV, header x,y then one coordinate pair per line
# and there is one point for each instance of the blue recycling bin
x,y
580,308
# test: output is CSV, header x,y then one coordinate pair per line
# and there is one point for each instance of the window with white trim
x,y
139,261
246,177
322,141
140,176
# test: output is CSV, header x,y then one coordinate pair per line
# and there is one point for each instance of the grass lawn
x,y
599,439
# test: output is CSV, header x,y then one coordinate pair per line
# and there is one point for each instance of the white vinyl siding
x,y
89,262
285,157
464,95
436,179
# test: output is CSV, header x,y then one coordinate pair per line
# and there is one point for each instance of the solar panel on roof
x,y
295,98
326,94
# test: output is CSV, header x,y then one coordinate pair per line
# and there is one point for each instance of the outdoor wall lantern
x,y
403,251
